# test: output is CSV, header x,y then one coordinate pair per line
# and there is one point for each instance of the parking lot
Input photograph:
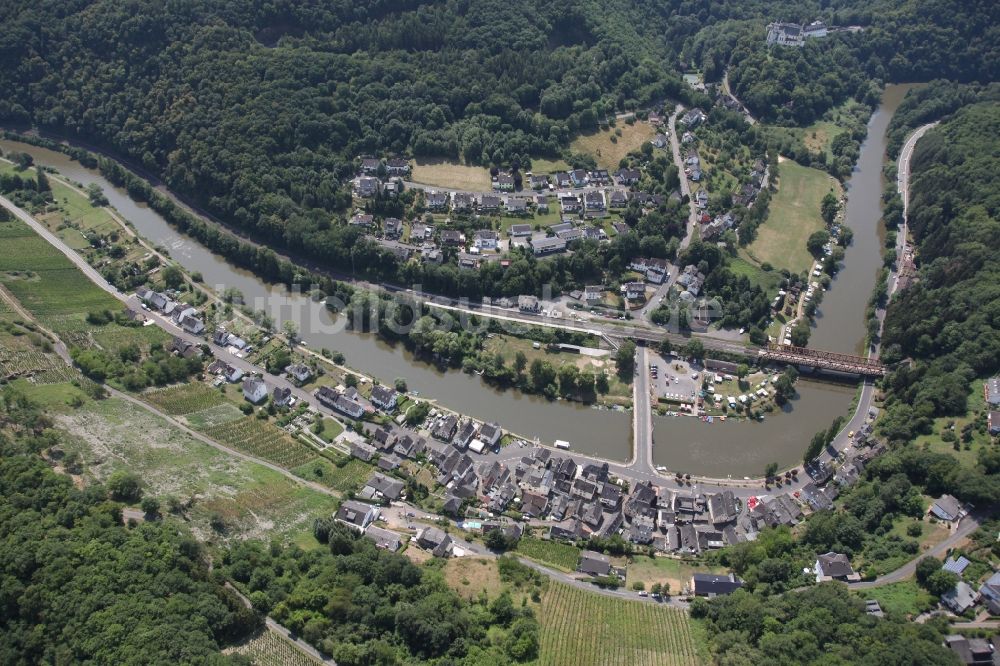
x,y
672,378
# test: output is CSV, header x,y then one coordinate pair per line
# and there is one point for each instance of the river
x,y
684,444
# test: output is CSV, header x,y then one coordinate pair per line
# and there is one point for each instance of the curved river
x,y
720,449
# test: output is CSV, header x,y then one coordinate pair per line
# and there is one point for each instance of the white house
x,y
384,397
254,389
486,239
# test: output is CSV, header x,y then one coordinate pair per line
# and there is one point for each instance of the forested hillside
x,y
944,331
79,587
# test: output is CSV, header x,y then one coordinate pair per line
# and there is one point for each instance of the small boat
x,y
561,444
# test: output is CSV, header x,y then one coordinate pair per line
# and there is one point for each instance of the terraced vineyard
x,y
270,649
585,629
263,440
185,398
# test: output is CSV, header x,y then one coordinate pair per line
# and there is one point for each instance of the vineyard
x,y
585,629
46,282
350,477
185,398
263,440
269,649
560,555
19,357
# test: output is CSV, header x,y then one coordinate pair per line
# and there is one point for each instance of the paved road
x,y
675,150
967,526
642,416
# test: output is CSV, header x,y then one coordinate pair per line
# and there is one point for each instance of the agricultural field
x,y
113,337
581,628
268,648
262,439
553,553
184,398
213,416
47,284
794,215
349,477
609,153
247,499
451,175
548,166
27,353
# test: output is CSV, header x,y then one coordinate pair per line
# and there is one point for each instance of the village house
x,y
701,198
463,201
490,434
452,237
593,293
504,182
570,235
541,203
660,141
446,428
973,651
282,397
384,397
380,485
519,230
367,187
711,585
562,179
569,203
594,564
627,176
598,177
538,181
594,201
384,539
578,177
992,391
516,206
254,389
490,202
618,199
363,451
633,291
693,118
947,508
960,598
397,166
834,566
361,220
421,232
356,515
486,239
437,200
434,540
392,227
370,165
544,246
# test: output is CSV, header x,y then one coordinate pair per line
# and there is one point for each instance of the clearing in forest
x,y
609,153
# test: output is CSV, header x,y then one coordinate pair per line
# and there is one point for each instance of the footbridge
x,y
855,365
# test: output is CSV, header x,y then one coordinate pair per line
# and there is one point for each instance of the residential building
x,y
397,166
711,585
542,203
384,397
578,177
519,230
490,202
834,566
569,203
299,372
363,451
384,539
505,182
972,651
594,564
361,220
562,179
254,389
367,186
594,201
947,508
437,200
392,227
282,396
784,34
452,237
385,486
528,303
538,181
486,239
435,540
628,176
463,201
549,245
992,389
356,515
490,434
633,290
593,293
960,598
370,165
516,206
693,118
990,591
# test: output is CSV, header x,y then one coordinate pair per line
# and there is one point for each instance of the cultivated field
x,y
609,153
269,649
794,215
46,283
560,555
263,440
451,175
346,478
586,629
184,398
